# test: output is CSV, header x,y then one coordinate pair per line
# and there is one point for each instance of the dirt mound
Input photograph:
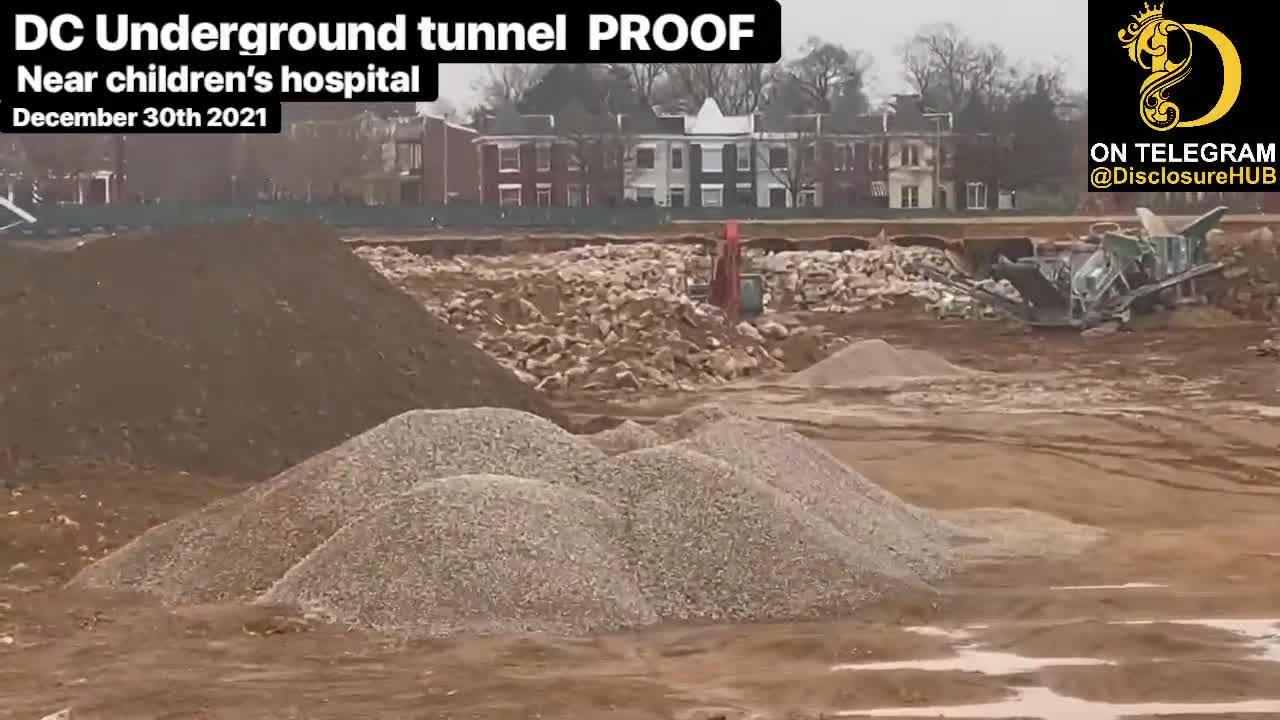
x,y
223,350
239,548
624,438
895,535
678,427
709,543
483,554
869,361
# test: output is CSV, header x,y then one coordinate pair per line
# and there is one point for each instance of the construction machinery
x,y
740,295
7,222
1101,279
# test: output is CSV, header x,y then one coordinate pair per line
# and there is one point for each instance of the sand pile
x,y
624,438
483,553
894,534
494,520
238,551
711,543
872,361
222,350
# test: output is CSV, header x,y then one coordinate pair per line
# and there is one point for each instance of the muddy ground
x,y
1165,439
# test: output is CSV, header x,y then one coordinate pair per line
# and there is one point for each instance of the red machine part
x,y
726,285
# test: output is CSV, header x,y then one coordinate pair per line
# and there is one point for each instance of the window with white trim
x,y
645,158
712,159
509,158
809,196
676,197
744,158
910,196
509,196
544,195
713,196
909,155
575,196
544,158
975,195
644,196
677,158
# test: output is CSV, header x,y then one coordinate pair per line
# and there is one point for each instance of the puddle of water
x,y
1264,632
1047,705
1126,586
969,659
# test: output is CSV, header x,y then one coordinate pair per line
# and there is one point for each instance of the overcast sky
x,y
1033,29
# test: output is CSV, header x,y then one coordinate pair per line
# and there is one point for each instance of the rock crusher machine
x,y
740,296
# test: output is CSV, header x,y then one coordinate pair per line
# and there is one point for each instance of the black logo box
x,y
1115,81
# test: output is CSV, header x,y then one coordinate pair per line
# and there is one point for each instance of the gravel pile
x,y
624,438
493,520
876,360
522,556
238,552
894,534
711,544
678,427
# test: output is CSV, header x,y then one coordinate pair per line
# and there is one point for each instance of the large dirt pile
x,y
491,520
234,351
874,361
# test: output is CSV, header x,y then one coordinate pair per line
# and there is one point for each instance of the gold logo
x,y
1147,40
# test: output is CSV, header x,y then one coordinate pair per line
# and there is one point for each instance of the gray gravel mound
x,y
678,427
900,535
710,544
476,554
238,554
624,438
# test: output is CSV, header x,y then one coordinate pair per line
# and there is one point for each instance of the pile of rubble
x,y
1250,285
595,318
619,316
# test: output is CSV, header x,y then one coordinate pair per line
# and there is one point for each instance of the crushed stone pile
x,y
895,535
1249,286
624,438
222,350
618,316
870,361
710,543
494,520
237,551
485,553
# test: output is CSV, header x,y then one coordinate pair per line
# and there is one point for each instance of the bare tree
x,y
792,161
323,160
826,72
739,88
508,83
646,78
949,69
598,150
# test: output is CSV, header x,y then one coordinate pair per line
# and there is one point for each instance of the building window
x,y
509,196
509,159
876,156
544,195
975,196
677,197
777,158
644,158
809,197
910,196
843,157
810,155
677,158
575,196
575,158
777,197
644,196
859,157
610,156
712,159
744,195
910,155
713,196
744,158
544,158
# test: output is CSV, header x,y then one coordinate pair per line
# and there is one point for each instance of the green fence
x,y
79,219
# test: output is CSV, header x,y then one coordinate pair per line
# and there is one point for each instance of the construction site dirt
x,y
1163,441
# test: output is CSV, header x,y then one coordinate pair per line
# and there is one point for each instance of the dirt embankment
x,y
231,351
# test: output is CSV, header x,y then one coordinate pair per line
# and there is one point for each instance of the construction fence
x,y
69,219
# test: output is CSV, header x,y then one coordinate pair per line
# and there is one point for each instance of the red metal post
x,y
731,261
